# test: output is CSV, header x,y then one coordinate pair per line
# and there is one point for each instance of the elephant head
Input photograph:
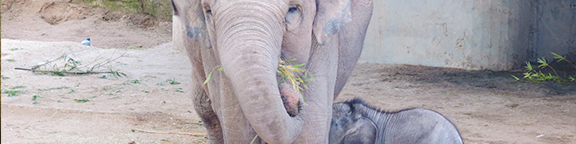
x,y
350,127
247,38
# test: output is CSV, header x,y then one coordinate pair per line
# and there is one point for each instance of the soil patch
x,y
57,20
56,12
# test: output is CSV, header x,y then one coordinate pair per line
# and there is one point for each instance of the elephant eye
x,y
208,10
292,9
293,17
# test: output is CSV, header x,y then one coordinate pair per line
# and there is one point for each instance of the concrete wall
x,y
470,34
555,28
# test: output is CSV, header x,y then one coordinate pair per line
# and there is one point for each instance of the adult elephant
x,y
247,38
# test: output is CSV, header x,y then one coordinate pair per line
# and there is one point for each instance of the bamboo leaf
x,y
254,139
298,65
304,85
207,78
308,77
542,62
303,99
528,66
517,79
548,77
526,74
559,57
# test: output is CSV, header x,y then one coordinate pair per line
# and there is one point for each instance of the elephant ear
x,y
191,14
362,131
331,17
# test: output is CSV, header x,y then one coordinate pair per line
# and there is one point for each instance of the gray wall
x,y
470,34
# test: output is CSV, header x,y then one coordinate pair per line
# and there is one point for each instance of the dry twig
x,y
61,57
66,72
73,67
180,133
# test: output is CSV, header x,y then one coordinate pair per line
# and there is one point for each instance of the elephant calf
x,y
355,122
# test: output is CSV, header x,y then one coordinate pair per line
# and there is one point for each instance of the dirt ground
x,y
486,106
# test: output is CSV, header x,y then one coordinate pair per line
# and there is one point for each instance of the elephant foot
x,y
290,98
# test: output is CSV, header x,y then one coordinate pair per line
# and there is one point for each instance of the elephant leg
x,y
203,107
200,97
351,41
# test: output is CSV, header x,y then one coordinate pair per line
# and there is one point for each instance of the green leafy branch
x,y
562,58
535,74
288,72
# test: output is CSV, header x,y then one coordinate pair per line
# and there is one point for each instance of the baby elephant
x,y
355,122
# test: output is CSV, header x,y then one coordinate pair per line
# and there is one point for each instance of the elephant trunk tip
x,y
290,98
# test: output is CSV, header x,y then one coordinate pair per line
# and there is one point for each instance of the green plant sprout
x,y
82,100
34,97
135,81
173,81
12,93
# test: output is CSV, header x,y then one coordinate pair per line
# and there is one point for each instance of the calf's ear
x,y
363,131
331,17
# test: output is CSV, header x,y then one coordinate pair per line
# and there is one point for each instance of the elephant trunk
x,y
249,49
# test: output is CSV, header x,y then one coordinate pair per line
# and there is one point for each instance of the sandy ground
x,y
486,106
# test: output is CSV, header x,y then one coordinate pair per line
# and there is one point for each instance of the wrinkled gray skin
x,y
353,122
247,38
